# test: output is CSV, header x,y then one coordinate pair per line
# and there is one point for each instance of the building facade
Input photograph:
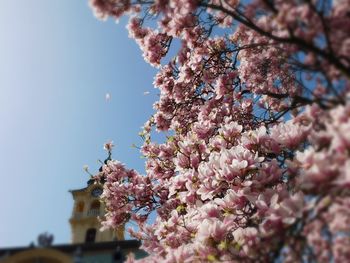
x,y
87,212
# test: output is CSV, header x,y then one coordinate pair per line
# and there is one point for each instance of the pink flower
x,y
108,146
255,163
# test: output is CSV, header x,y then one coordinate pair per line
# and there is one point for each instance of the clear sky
x,y
57,62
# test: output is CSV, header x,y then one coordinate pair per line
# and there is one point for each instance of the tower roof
x,y
92,179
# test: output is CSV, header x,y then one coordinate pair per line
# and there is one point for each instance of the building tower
x,y
88,210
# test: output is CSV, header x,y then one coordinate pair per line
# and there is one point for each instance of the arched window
x,y
80,207
94,209
90,235
95,205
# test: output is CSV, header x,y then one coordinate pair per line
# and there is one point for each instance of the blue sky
x,y
57,63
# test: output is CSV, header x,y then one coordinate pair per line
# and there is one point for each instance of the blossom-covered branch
x,y
256,99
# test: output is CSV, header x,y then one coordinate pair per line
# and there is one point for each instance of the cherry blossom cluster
x,y
256,106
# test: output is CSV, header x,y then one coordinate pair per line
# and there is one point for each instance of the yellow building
x,y
88,243
86,215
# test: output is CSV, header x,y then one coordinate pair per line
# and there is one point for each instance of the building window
x,y
94,209
90,235
95,205
80,207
